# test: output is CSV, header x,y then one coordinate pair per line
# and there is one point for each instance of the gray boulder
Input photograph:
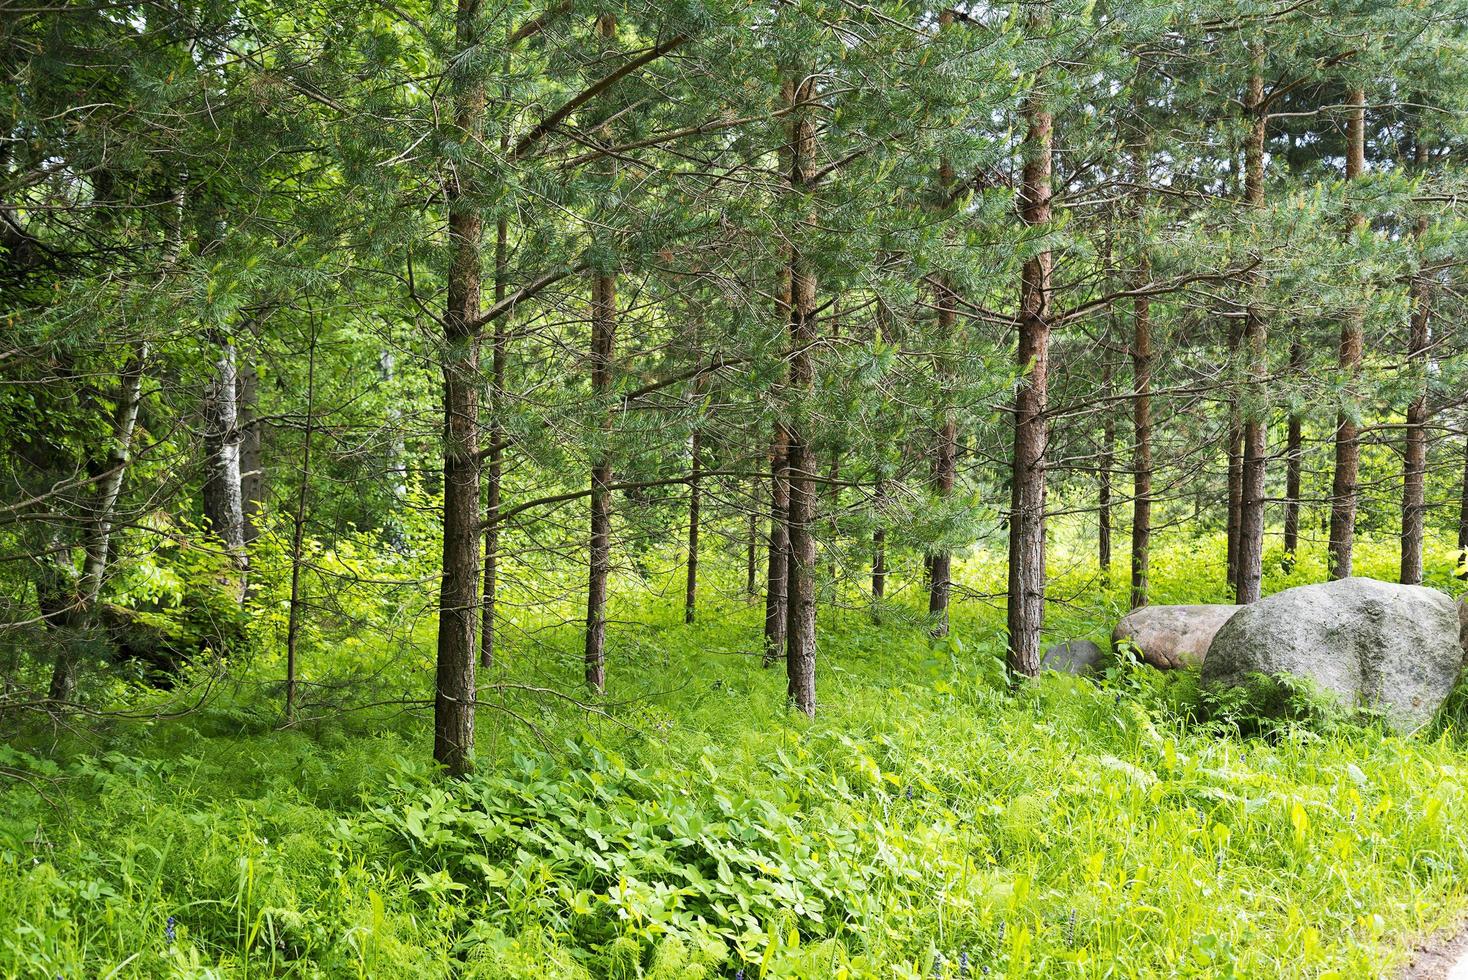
x,y
1463,624
1072,657
1173,636
1367,643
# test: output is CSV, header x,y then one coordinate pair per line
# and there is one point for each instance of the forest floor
x,y
1443,957
928,823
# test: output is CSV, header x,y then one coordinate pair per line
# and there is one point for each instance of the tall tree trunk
x,y
1347,433
109,486
498,354
777,566
223,498
1463,507
1142,453
1293,458
1235,438
73,607
603,339
1250,554
603,345
690,595
1414,472
1141,544
298,533
945,450
800,650
98,540
1026,615
879,543
945,459
1108,459
454,695
751,562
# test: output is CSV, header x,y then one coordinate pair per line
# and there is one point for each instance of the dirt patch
x,y
1436,956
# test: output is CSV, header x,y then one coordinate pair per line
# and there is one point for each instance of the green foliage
x,y
1130,827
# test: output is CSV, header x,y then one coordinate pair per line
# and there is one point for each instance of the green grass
x,y
1072,829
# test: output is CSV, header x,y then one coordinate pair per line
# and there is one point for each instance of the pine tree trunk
x,y
945,465
454,695
603,338
1250,553
777,569
603,345
1344,487
1463,505
1141,543
1108,459
1294,455
1142,434
1414,472
879,543
751,561
945,450
800,648
1235,464
298,534
498,353
690,596
1026,614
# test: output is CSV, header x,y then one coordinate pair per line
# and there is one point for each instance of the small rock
x,y
1173,636
1366,643
1072,657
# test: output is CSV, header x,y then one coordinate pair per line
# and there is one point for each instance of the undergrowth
x,y
929,822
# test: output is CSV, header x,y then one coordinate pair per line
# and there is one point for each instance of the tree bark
x,y
1141,543
603,339
879,543
1026,613
109,487
1414,470
298,533
1347,433
1108,459
1250,554
498,354
223,498
690,595
777,566
454,695
945,450
1293,458
1235,462
800,650
603,345
945,459
1463,507
751,561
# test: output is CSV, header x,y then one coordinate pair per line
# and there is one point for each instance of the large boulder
x,y
1072,657
1170,637
1367,643
1463,624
